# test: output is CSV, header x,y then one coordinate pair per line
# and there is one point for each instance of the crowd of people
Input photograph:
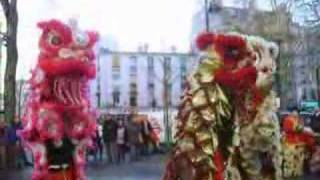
x,y
124,138
118,139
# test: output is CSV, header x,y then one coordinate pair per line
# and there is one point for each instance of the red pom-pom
x,y
289,124
93,38
204,40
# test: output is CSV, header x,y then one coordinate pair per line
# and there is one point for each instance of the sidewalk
x,y
149,169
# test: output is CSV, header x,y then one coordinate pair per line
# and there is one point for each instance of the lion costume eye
x,y
81,39
54,39
271,51
232,52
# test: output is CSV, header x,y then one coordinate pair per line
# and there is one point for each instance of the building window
x,y
150,63
183,72
183,83
133,98
183,67
150,86
154,103
133,70
116,76
304,81
133,60
133,101
167,62
116,97
133,86
133,66
167,66
116,63
151,91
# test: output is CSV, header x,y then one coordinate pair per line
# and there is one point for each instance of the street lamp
x,y
98,80
206,5
209,7
318,83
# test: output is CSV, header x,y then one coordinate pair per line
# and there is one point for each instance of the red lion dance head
x,y
58,110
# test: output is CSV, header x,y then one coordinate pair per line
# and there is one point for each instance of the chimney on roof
x,y
145,47
140,48
173,49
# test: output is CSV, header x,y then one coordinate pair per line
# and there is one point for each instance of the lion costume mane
x,y
227,126
58,106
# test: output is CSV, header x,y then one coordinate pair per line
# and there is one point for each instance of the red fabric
x,y
204,40
93,38
240,79
154,136
62,175
257,96
218,162
55,67
290,124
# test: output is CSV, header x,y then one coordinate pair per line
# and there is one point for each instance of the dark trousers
x,y
111,149
3,156
98,152
12,155
121,152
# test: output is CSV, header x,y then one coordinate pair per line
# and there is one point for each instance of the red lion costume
x,y
59,122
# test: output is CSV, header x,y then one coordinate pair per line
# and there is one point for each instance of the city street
x,y
149,169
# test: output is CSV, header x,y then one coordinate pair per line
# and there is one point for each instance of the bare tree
x,y
20,95
167,78
11,14
311,9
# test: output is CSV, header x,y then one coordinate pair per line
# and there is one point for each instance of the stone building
x,y
136,79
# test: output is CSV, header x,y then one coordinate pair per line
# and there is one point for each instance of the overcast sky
x,y
160,23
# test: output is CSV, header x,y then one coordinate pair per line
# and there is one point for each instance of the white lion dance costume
x,y
227,126
59,122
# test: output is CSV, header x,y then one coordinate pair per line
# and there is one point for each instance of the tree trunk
x,y
166,118
10,10
19,97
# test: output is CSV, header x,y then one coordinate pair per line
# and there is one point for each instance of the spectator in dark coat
x,y
134,136
99,142
315,123
14,148
146,131
109,134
